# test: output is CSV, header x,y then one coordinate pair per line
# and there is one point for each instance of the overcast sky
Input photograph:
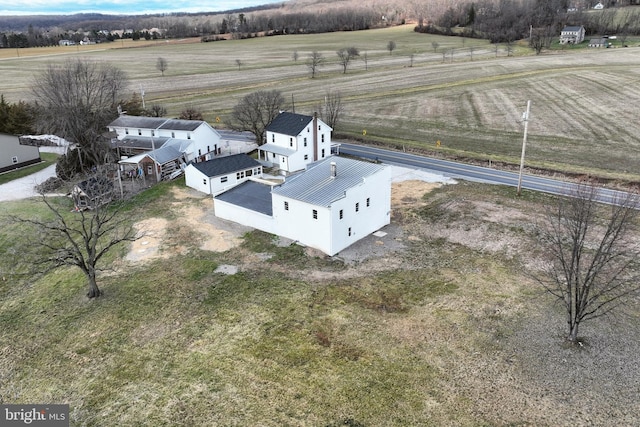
x,y
122,7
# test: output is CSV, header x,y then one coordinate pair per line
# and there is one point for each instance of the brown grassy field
x,y
471,100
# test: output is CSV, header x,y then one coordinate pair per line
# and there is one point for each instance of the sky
x,y
122,7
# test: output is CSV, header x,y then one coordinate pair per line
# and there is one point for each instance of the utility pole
x,y
525,119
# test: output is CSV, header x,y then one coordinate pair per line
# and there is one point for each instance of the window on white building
x,y
323,137
305,142
273,137
357,207
290,142
368,201
126,131
14,159
306,157
204,181
139,131
315,214
173,134
323,153
224,179
349,231
286,206
188,136
341,213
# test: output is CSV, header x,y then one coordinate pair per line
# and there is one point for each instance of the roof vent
x,y
334,170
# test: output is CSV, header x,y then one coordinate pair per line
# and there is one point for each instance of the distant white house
x,y
222,173
598,6
295,140
572,35
331,205
142,142
14,155
599,42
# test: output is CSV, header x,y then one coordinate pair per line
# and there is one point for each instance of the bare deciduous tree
x,y
191,113
435,46
345,55
162,65
593,254
157,110
314,62
77,100
331,110
255,111
295,56
238,63
391,46
79,238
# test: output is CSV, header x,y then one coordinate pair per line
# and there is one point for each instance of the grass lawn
x,y
448,331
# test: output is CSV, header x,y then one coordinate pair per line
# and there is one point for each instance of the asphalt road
x,y
473,173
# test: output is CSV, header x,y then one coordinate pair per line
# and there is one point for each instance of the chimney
x,y
315,136
334,170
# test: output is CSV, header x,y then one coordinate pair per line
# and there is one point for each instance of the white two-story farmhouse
x,y
158,146
295,140
334,203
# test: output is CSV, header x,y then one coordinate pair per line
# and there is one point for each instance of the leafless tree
x,y
593,254
314,62
541,39
435,46
77,100
391,46
79,238
295,56
365,58
331,110
162,65
345,55
238,63
157,110
191,113
255,111
471,49
411,58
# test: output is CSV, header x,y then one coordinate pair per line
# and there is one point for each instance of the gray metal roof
x,y
140,142
226,165
316,186
289,123
140,122
273,148
178,124
165,154
137,122
251,195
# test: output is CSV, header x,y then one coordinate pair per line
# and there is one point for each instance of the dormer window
x,y
173,134
188,136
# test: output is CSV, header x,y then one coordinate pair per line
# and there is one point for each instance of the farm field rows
x,y
582,100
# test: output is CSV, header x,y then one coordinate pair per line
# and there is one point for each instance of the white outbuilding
x,y
331,205
221,173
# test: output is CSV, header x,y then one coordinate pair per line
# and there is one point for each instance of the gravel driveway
x,y
23,188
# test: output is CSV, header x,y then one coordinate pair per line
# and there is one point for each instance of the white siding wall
x,y
367,219
195,179
217,184
250,218
298,223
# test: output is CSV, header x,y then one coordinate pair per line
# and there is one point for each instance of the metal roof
x,y
137,122
178,124
226,165
141,142
316,185
273,148
251,195
140,122
165,154
289,123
